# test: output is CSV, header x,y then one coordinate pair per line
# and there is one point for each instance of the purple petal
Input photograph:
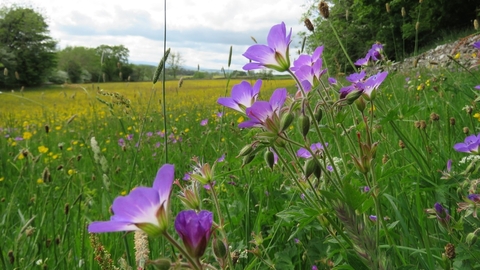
x,y
261,54
278,40
164,181
477,87
140,206
111,226
278,98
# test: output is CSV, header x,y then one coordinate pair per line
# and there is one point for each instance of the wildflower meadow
x,y
375,169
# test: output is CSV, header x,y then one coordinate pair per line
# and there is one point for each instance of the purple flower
x,y
161,133
476,45
470,145
332,81
316,148
186,176
374,54
18,138
274,55
361,87
129,137
221,159
441,212
266,114
194,229
477,87
204,122
372,218
449,165
308,69
474,197
219,114
121,142
243,96
314,267
143,209
149,134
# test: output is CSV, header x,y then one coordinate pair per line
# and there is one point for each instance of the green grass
x,y
49,198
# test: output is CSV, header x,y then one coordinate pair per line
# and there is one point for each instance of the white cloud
x,y
202,31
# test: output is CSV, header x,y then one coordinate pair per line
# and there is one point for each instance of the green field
x,y
52,184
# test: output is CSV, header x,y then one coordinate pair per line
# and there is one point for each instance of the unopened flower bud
x,y
318,114
269,158
304,122
219,249
247,159
310,167
160,264
286,121
471,239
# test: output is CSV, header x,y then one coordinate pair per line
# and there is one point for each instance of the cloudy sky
x,y
202,31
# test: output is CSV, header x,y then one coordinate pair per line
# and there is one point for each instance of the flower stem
x,y
193,262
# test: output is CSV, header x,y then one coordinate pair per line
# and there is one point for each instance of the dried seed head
x,y
57,240
385,158
46,176
11,257
323,8
452,121
29,231
387,7
309,25
466,130
434,117
48,242
450,251
475,24
423,124
404,13
401,144
469,110
417,124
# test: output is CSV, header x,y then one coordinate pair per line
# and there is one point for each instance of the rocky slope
x,y
445,55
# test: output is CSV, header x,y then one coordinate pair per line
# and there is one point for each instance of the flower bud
x,y
269,158
246,150
286,121
247,159
304,122
318,114
160,264
466,130
309,167
471,239
219,249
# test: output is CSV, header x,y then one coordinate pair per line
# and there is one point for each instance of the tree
x,y
174,62
86,58
112,60
24,35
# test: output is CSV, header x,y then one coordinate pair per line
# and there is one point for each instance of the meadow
x,y
398,195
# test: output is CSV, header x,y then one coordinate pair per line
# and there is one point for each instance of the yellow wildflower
x,y
27,135
477,115
42,149
457,56
2,178
240,119
39,181
69,149
58,127
123,193
71,172
187,130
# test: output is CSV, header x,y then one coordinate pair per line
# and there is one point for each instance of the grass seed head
x,y
323,8
309,25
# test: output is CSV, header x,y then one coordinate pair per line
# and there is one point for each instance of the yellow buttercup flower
x,y
42,149
457,56
2,178
240,119
39,181
27,135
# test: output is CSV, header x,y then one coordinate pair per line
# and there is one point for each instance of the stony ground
x,y
446,55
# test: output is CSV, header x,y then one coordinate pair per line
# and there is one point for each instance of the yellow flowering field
x,y
58,105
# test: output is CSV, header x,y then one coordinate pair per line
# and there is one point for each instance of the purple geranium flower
x,y
308,69
332,81
143,209
477,87
266,114
474,197
362,87
243,96
470,145
195,230
221,159
476,45
274,55
374,54
316,148
121,142
441,212
204,122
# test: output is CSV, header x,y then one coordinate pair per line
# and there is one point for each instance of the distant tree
x,y
112,60
24,36
86,58
174,63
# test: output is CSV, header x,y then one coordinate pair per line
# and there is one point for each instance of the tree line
x,y
29,56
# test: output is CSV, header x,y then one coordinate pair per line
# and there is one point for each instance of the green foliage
x,y
361,23
26,45
81,63
113,59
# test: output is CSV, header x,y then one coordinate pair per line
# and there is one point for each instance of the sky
x,y
202,31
